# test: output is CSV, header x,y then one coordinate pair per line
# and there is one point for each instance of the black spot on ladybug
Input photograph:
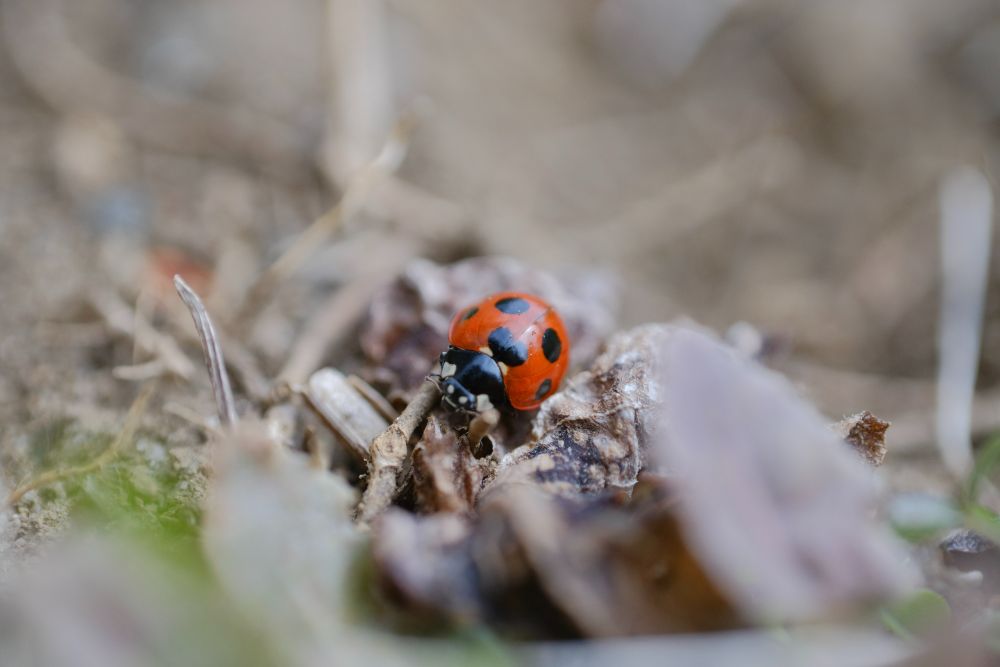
x,y
551,345
513,305
506,349
472,311
543,388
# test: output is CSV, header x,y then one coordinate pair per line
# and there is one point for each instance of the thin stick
x,y
126,435
351,201
140,372
191,416
966,203
482,424
123,319
375,399
213,353
389,451
319,459
326,327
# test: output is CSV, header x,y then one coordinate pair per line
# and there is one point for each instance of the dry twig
x,y
213,353
360,107
481,425
966,203
375,399
191,416
351,202
344,410
123,319
389,450
327,326
125,436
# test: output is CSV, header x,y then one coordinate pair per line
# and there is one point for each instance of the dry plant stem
x,y
140,372
240,359
375,399
481,425
329,324
318,458
352,200
966,206
191,417
360,107
213,353
123,319
913,432
389,451
125,436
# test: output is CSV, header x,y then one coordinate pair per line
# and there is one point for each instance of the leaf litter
x,y
670,486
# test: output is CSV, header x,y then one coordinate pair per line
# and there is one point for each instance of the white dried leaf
x,y
345,410
776,508
281,541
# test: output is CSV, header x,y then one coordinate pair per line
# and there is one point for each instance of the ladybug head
x,y
471,379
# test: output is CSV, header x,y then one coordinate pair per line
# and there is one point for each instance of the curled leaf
x,y
593,433
775,508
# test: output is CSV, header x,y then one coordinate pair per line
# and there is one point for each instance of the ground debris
x,y
593,433
342,407
968,551
389,451
407,325
866,434
544,566
764,486
656,480
446,475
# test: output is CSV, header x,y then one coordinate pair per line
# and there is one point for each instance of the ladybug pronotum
x,y
508,351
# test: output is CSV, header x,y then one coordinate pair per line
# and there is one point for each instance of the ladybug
x,y
508,351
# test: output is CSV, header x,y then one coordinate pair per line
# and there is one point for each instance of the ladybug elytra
x,y
508,351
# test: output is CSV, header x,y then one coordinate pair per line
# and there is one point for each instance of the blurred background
x,y
766,161
768,168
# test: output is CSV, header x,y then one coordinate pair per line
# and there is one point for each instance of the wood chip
x,y
348,414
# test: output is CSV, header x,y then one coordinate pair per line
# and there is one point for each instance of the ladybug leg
x,y
483,403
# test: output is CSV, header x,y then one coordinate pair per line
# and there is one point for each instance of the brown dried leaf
x,y
593,433
407,326
866,434
769,517
551,567
446,476
612,570
425,563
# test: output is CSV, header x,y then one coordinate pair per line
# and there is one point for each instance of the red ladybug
x,y
510,350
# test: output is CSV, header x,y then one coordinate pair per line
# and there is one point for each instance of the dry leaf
x,y
777,511
542,566
593,433
446,476
866,434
